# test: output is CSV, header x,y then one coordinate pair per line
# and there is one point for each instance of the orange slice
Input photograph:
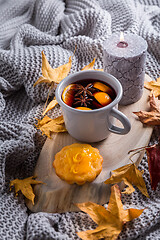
x,y
96,104
103,98
83,108
102,87
68,94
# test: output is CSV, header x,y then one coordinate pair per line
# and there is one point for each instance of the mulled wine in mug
x,y
89,101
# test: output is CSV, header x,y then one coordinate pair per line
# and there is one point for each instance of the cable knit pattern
x,y
57,26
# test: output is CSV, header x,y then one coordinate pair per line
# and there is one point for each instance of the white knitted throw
x,y
26,28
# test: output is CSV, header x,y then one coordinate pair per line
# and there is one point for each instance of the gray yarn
x,y
26,28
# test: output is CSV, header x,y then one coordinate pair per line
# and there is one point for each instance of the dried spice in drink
x,y
88,94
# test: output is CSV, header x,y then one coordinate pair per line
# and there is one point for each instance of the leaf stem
x,y
130,157
74,50
141,148
48,96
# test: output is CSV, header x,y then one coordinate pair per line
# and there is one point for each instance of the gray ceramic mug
x,y
93,125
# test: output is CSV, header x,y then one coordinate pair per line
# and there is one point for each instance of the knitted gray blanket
x,y
26,28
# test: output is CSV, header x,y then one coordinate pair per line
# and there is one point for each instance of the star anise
x,y
83,101
84,90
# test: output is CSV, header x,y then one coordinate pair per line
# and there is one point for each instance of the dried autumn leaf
x,y
131,176
100,69
154,86
152,117
25,187
111,220
48,125
40,123
50,75
153,156
90,66
154,103
149,118
50,106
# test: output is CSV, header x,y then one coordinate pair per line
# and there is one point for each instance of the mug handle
x,y
123,119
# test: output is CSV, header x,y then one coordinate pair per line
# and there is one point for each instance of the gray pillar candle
x,y
126,61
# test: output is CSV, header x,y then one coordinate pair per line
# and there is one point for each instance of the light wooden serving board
x,y
57,195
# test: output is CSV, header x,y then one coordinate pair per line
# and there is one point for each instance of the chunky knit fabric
x,y
26,28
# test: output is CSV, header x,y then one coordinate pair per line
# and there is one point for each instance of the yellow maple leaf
x,y
50,106
25,187
154,86
111,220
130,175
50,75
48,125
90,66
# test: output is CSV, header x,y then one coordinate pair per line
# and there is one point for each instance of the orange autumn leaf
x,y
110,221
154,86
50,106
152,117
48,125
130,175
90,66
25,187
50,75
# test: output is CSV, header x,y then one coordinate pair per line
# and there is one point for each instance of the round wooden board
x,y
57,195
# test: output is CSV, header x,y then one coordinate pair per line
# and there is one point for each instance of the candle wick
x,y
122,44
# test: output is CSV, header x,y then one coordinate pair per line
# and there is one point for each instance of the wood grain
x,y
57,195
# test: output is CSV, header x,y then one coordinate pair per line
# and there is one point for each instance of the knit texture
x,y
26,28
